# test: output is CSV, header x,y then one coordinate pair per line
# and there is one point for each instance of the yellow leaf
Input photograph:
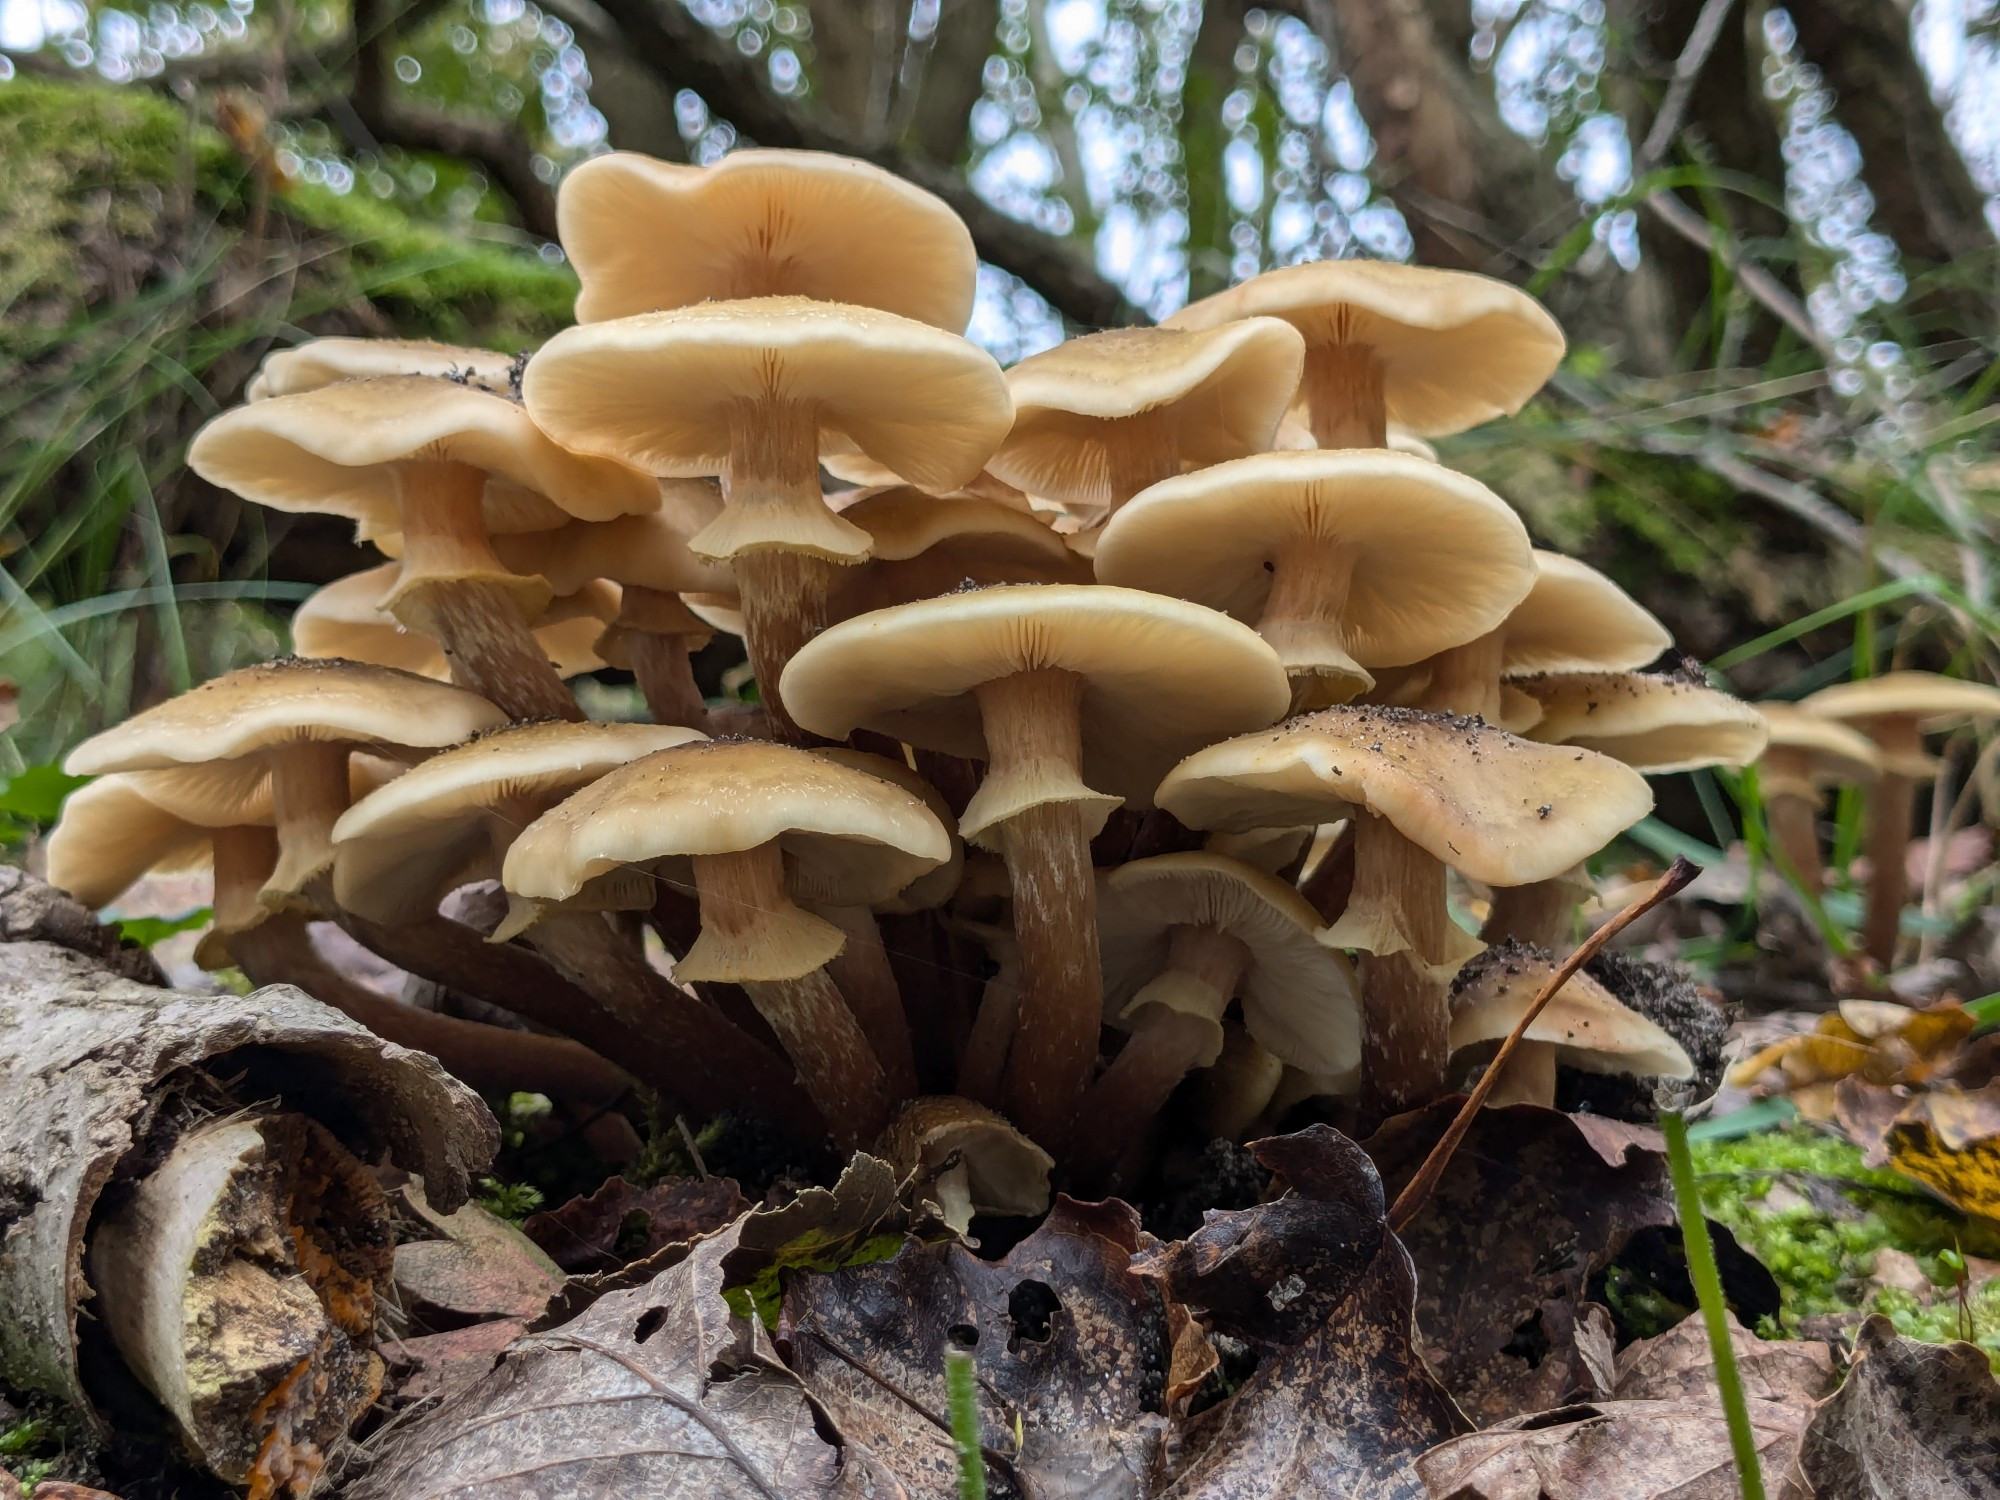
x,y
1950,1142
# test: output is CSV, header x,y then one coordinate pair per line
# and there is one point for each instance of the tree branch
x,y
688,55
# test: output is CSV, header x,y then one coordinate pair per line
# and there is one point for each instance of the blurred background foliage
x,y
1770,233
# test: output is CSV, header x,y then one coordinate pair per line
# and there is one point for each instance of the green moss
x,y
1822,1252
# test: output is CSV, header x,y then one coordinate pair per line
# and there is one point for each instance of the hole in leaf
x,y
648,1324
963,1336
1031,1306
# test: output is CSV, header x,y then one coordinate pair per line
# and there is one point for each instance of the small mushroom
x,y
345,619
736,818
285,731
1896,711
921,545
1343,561
646,234
1183,936
1077,698
1236,1089
967,1160
755,392
1433,352
1427,792
1583,1026
1099,418
1804,755
430,469
321,362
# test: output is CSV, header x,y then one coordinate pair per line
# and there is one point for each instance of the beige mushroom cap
x,y
1652,723
648,550
1160,676
1589,1027
1934,702
320,362
110,833
1577,620
838,827
1199,397
926,892
1001,1171
922,545
1439,559
664,391
1456,349
864,473
1299,998
448,821
337,451
646,235
345,618
285,702
1807,752
1501,810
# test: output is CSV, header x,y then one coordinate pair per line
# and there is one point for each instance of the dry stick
x,y
1410,1202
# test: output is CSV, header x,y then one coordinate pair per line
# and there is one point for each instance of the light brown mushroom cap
x,y
1457,349
1590,1028
1653,723
838,827
1501,810
922,545
337,450
864,473
1160,676
646,235
663,391
345,618
1295,436
999,1170
448,822
926,892
1439,559
284,702
1825,753
1299,997
1201,397
110,833
320,362
1577,620
1935,702
649,550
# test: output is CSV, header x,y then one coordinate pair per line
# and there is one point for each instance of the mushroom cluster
x,y
1136,736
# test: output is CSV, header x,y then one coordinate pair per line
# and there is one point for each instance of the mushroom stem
x,y
753,934
661,656
1466,679
1344,396
1179,1028
1892,803
1530,1077
1137,456
1406,1021
784,606
1239,1086
1541,914
309,792
454,589
1310,578
243,859
1794,820
984,1064
1034,740
861,972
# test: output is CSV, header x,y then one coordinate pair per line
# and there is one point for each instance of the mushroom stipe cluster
x,y
1138,725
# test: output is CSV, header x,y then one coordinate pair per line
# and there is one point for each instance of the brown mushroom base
x,y
655,637
752,934
784,598
983,1065
1345,405
239,1281
1310,577
861,972
1892,803
1236,1091
1399,903
1794,821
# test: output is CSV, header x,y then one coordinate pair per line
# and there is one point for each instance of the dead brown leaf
x,y
1071,1350
1631,1450
622,1222
1878,1040
1911,1420
442,1364
475,1267
1533,1205
658,1391
1678,1365
1341,1403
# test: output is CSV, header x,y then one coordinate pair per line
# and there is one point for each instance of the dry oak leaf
x,y
658,1391
1950,1142
1617,1450
1071,1351
1678,1365
622,1222
475,1267
1912,1422
1340,1404
1875,1039
1533,1205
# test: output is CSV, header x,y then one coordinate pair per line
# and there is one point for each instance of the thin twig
x,y
1680,92
1755,280
1410,1202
